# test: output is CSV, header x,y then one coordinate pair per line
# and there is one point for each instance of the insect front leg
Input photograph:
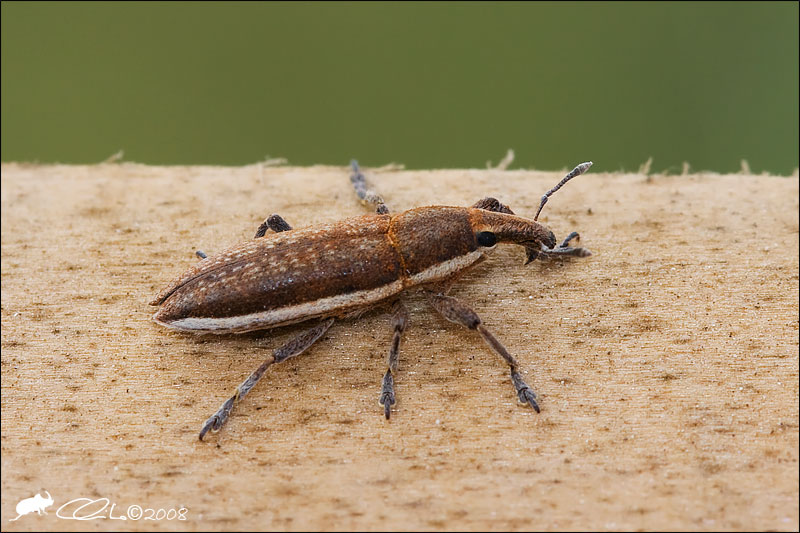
x,y
274,222
294,347
399,321
460,313
565,249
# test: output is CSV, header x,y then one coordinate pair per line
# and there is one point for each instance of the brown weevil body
x,y
329,271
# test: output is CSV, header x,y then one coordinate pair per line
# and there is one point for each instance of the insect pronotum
x,y
333,271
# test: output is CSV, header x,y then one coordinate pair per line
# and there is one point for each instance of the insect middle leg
x,y
399,320
294,347
460,313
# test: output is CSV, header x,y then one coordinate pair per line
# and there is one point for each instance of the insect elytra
x,y
331,271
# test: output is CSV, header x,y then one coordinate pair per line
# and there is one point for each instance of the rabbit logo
x,y
37,504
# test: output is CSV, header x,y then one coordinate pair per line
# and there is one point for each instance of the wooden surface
x,y
666,363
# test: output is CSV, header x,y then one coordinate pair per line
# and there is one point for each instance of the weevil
x,y
333,271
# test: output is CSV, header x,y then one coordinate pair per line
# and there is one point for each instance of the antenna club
x,y
577,171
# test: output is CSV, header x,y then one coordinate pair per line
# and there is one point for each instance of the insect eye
x,y
486,238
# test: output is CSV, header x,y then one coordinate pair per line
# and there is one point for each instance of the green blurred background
x,y
430,85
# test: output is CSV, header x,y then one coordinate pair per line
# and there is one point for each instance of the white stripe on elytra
x,y
283,315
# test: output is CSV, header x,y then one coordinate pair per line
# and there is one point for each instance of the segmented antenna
x,y
577,171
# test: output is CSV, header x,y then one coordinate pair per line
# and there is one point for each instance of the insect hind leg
x,y
364,193
294,347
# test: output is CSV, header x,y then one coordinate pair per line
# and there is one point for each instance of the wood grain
x,y
666,363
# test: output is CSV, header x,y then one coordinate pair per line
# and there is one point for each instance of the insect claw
x,y
527,396
582,252
524,393
575,252
387,401
218,419
572,236
213,421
